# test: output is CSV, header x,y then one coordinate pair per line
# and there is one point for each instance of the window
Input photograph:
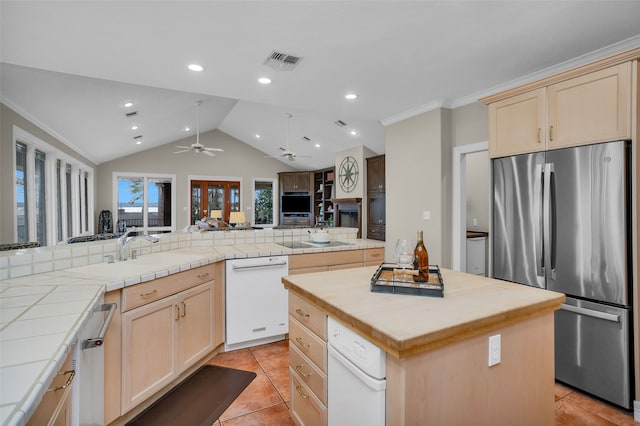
x,y
145,202
210,197
263,201
49,204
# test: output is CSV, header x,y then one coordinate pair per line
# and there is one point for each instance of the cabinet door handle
x,y
149,293
200,276
177,312
184,309
302,394
302,343
302,313
550,133
539,135
302,373
72,374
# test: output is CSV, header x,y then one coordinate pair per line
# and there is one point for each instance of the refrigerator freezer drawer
x,y
592,349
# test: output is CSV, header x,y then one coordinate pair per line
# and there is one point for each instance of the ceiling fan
x,y
197,146
287,153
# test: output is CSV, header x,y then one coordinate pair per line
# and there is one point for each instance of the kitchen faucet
x,y
124,239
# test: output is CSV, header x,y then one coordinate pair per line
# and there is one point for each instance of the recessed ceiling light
x,y
138,142
195,67
264,80
317,145
134,127
353,132
257,136
350,96
128,104
186,129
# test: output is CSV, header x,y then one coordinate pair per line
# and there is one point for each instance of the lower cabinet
x,y
317,262
162,339
55,407
307,362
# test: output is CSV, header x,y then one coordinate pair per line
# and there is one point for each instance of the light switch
x,y
426,215
475,221
494,350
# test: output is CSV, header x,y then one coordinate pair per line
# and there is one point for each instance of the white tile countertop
x,y
41,314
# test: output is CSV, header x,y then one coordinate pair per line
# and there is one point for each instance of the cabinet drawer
x,y
308,373
308,315
309,260
308,343
141,294
306,409
374,255
55,409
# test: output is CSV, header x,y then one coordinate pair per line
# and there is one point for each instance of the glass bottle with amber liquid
x,y
421,260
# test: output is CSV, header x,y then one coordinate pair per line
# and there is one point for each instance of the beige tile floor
x,y
266,400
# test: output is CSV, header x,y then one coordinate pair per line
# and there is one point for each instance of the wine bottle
x,y
421,260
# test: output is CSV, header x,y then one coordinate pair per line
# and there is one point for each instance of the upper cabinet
x,y
295,182
376,198
590,108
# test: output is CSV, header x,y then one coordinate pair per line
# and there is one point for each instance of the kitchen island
x,y
437,369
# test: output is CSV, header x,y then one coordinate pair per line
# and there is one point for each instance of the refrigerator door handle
x,y
538,207
548,220
590,313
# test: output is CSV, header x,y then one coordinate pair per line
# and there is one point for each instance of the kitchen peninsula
x,y
437,369
47,293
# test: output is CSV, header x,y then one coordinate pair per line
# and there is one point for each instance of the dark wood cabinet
x,y
323,192
295,182
376,198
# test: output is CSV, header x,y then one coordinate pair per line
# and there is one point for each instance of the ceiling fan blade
x,y
213,149
180,152
183,147
210,154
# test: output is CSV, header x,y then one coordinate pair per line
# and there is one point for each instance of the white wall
x,y
238,160
478,190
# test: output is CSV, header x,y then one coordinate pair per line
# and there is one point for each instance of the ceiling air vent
x,y
340,123
282,61
132,114
305,138
137,137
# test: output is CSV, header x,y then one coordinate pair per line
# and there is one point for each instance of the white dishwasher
x,y
256,301
356,378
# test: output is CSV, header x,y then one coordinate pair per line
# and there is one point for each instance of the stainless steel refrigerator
x,y
561,221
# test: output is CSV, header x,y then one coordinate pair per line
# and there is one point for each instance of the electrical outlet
x,y
475,221
494,350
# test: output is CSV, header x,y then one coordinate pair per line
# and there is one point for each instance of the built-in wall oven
x,y
256,301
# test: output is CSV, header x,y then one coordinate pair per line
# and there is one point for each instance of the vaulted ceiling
x,y
69,65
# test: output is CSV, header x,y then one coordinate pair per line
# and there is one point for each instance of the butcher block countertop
x,y
405,325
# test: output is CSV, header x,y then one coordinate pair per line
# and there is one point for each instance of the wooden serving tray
x,y
389,278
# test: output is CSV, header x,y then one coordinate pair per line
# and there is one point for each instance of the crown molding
x,y
33,120
628,45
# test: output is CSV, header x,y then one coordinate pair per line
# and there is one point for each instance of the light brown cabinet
x,y
317,262
376,198
162,339
55,407
307,362
591,108
161,329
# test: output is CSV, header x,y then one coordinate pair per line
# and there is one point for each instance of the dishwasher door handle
x,y
258,266
95,342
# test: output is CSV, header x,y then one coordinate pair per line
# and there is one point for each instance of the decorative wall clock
x,y
348,174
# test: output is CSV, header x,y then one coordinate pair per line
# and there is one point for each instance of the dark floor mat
x,y
199,400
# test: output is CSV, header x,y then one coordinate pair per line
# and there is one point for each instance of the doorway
x,y
459,223
215,199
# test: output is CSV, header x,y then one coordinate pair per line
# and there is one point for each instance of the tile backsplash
x,y
18,263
